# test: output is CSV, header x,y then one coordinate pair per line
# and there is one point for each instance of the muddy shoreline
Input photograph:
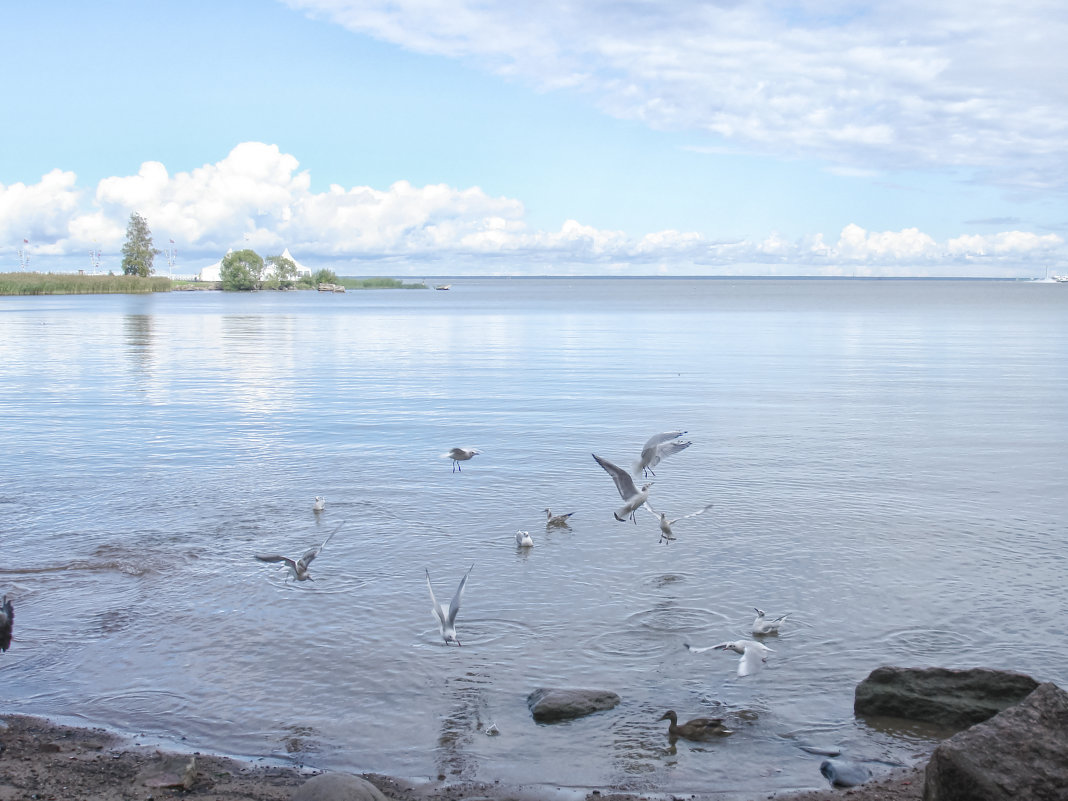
x,y
44,760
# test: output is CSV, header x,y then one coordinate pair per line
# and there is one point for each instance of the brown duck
x,y
696,729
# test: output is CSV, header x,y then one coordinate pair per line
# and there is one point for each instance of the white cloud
x,y
872,85
258,197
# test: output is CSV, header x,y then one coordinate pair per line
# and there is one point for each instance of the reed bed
x,y
377,283
74,284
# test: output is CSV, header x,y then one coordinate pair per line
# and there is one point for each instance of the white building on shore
x,y
212,271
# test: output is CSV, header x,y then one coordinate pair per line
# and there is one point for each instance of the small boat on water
x,y
443,286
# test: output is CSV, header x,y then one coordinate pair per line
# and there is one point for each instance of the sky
x,y
563,137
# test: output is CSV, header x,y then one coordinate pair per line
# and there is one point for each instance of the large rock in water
x,y
951,698
549,705
1020,754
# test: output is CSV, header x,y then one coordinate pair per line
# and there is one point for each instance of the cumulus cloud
x,y
258,197
873,85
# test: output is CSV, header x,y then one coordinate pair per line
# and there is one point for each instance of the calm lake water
x,y
886,458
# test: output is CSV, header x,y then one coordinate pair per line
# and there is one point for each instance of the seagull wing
x,y
694,650
272,557
702,510
624,483
454,605
662,451
434,601
752,659
651,450
658,439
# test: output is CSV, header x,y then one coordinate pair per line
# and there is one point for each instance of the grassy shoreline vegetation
x,y
75,284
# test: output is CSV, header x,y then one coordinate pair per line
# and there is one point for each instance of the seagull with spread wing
x,y
299,567
633,498
447,618
666,535
657,447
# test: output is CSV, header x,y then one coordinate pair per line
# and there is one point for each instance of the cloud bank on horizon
x,y
863,88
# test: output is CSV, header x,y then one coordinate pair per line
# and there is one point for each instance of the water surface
x,y
886,459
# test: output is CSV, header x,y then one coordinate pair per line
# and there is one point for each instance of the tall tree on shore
x,y
137,251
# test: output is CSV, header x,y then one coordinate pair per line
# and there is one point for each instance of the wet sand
x,y
40,759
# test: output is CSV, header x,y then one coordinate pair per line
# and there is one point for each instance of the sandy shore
x,y
43,760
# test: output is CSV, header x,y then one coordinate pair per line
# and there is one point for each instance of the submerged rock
x,y
951,698
1020,754
548,705
337,787
170,771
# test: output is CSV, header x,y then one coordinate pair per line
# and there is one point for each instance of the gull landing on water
x,y
657,447
633,498
765,625
447,618
666,534
754,654
299,567
556,520
460,455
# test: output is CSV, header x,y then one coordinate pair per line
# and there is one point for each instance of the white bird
x,y
524,540
299,567
666,534
633,498
460,455
447,619
320,503
657,447
764,625
556,520
754,654
7,621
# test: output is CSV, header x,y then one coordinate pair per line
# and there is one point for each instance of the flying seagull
x,y
754,654
460,455
659,446
299,567
447,619
7,620
666,534
556,520
765,625
523,539
320,503
633,498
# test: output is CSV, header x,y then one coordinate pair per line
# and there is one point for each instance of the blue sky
x,y
415,137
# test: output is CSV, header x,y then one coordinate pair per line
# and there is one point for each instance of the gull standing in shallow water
x,y
666,534
754,654
447,619
657,447
765,625
299,567
556,520
7,621
460,455
633,498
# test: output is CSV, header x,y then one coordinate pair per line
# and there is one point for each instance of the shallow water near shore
x,y
886,460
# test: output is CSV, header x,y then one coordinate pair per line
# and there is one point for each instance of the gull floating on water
x,y
666,534
754,654
657,447
447,619
460,455
299,567
7,621
320,503
633,498
524,540
556,520
766,625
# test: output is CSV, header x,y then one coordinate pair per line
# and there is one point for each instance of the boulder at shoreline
x,y
954,699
